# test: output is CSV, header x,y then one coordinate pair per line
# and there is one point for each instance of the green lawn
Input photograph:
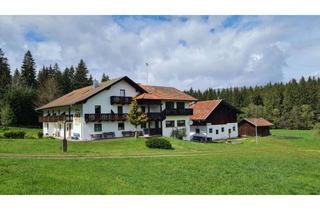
x,y
273,166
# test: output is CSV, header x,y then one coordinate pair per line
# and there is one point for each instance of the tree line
x,y
28,88
292,105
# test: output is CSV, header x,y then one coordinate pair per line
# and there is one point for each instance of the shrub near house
x,y
158,143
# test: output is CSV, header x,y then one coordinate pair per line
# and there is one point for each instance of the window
x,y
210,130
97,127
143,109
169,105
234,128
222,129
122,92
97,109
144,125
181,123
197,130
180,105
120,110
217,132
47,126
120,126
169,123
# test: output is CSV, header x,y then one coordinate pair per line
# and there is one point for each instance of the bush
x,y
40,134
316,129
158,143
15,134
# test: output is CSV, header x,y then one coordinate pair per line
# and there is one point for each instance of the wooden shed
x,y
247,127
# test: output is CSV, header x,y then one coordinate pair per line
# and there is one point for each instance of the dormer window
x,y
122,92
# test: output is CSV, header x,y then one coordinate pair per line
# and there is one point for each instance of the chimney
x,y
95,83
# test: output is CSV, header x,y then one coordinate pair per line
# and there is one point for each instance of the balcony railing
x,y
56,118
120,100
155,116
104,117
178,112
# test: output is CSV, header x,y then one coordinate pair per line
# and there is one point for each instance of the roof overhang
x,y
125,78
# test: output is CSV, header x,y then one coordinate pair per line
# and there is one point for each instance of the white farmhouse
x,y
213,119
100,111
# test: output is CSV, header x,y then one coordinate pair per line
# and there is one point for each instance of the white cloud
x,y
48,51
256,50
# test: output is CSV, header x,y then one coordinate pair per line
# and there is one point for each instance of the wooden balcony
x,y
56,118
104,117
120,100
155,116
178,112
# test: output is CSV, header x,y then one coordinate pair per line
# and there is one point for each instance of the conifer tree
x,y
28,70
81,76
67,80
16,79
5,75
104,78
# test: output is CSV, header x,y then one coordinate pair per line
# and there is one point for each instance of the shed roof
x,y
259,122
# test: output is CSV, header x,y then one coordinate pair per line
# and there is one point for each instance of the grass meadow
x,y
287,162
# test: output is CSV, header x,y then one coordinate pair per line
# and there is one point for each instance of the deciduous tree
x,y
136,116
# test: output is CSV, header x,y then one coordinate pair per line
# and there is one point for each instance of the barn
x,y
247,127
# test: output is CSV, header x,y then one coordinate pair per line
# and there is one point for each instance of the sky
x,y
181,51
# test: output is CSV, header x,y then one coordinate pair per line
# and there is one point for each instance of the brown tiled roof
x,y
202,109
260,122
82,94
164,93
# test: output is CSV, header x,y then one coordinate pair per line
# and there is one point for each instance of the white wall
x,y
167,131
103,99
204,131
54,127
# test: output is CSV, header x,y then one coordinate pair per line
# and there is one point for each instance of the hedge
x,y
15,134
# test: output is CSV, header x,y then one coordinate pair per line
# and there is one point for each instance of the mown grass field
x,y
275,165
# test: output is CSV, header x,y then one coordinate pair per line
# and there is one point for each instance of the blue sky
x,y
183,51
